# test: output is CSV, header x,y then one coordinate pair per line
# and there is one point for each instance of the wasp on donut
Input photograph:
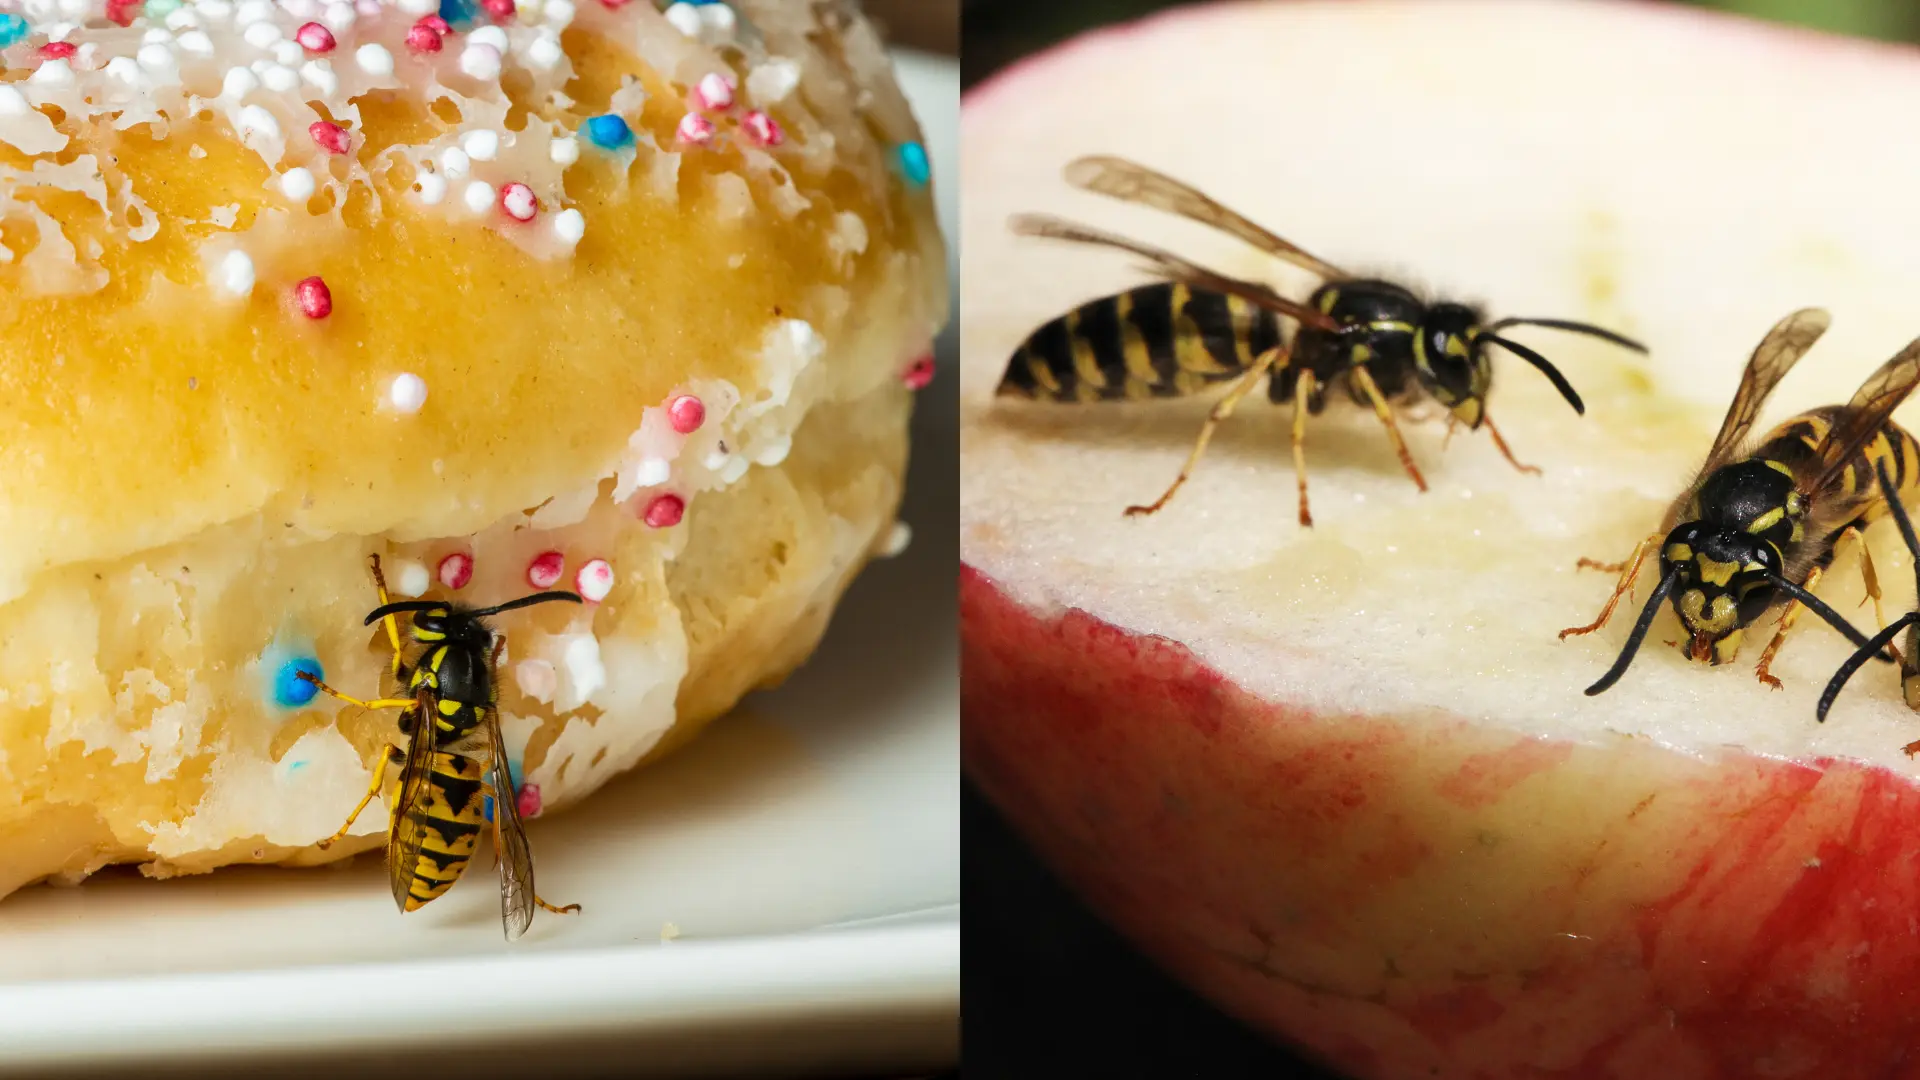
x,y
1197,328
1759,525
454,758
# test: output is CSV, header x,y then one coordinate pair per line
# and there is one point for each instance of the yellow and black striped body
x,y
450,812
1750,518
1165,340
1381,324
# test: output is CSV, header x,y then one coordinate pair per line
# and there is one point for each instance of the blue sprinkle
x,y
913,162
608,132
458,14
292,691
13,28
296,767
513,775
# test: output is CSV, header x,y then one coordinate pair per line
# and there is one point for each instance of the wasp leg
x,y
1505,452
570,909
376,703
1787,619
1628,571
393,629
1302,389
1595,564
567,909
393,756
1273,359
1384,411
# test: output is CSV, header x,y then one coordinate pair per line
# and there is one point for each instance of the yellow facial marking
x,y
1708,618
1679,552
1714,572
1457,346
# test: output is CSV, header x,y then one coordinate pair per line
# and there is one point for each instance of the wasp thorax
x,y
1450,364
1755,497
1723,581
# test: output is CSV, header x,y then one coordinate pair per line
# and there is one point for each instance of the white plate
x,y
807,848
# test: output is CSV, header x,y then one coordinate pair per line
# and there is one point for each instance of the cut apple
x,y
1343,779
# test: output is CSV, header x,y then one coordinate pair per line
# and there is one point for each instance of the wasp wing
x,y
405,835
1782,348
1130,181
1175,268
510,835
1860,422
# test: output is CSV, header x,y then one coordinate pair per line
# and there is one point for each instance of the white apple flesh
x,y
1344,779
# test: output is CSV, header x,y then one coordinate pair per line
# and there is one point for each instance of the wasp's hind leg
x,y
1302,389
1506,451
1628,571
1274,360
392,756
1381,408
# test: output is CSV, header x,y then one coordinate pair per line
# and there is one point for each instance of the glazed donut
x,y
517,294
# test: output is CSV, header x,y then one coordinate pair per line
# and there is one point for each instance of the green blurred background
x,y
997,32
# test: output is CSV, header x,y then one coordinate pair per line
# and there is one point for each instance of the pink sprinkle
x,y
613,5
762,128
715,91
665,511
686,413
456,570
121,12
920,374
501,10
314,298
423,39
695,128
315,38
594,581
518,201
58,50
330,136
434,23
528,802
545,571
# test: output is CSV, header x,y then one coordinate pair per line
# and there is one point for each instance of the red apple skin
x,y
1420,897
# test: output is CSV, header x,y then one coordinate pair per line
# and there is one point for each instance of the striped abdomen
x,y
448,818
1161,340
1857,496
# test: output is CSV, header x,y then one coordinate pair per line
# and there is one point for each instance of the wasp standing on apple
x,y
1761,525
1909,658
1199,327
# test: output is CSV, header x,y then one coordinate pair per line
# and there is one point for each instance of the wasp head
x,y
1451,363
1723,581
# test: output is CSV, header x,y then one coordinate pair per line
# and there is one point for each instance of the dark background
x,y
1048,990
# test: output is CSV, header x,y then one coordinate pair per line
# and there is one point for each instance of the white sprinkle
x,y
13,102
716,459
239,82
478,196
196,43
490,35
771,82
898,538
234,274
319,74
183,18
432,188
124,68
569,226
73,9
56,74
565,150
262,35
653,472
257,120
685,18
545,52
595,580
374,59
773,451
303,10
156,36
339,17
288,52
454,161
297,183
196,151
535,679
408,393
278,79
88,57
410,578
367,8
528,9
480,61
718,17
252,11
560,14
481,144
217,11
419,7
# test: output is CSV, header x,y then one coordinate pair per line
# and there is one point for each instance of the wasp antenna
x,y
1819,607
1859,658
1546,367
1573,327
1638,635
529,601
400,606
1891,493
